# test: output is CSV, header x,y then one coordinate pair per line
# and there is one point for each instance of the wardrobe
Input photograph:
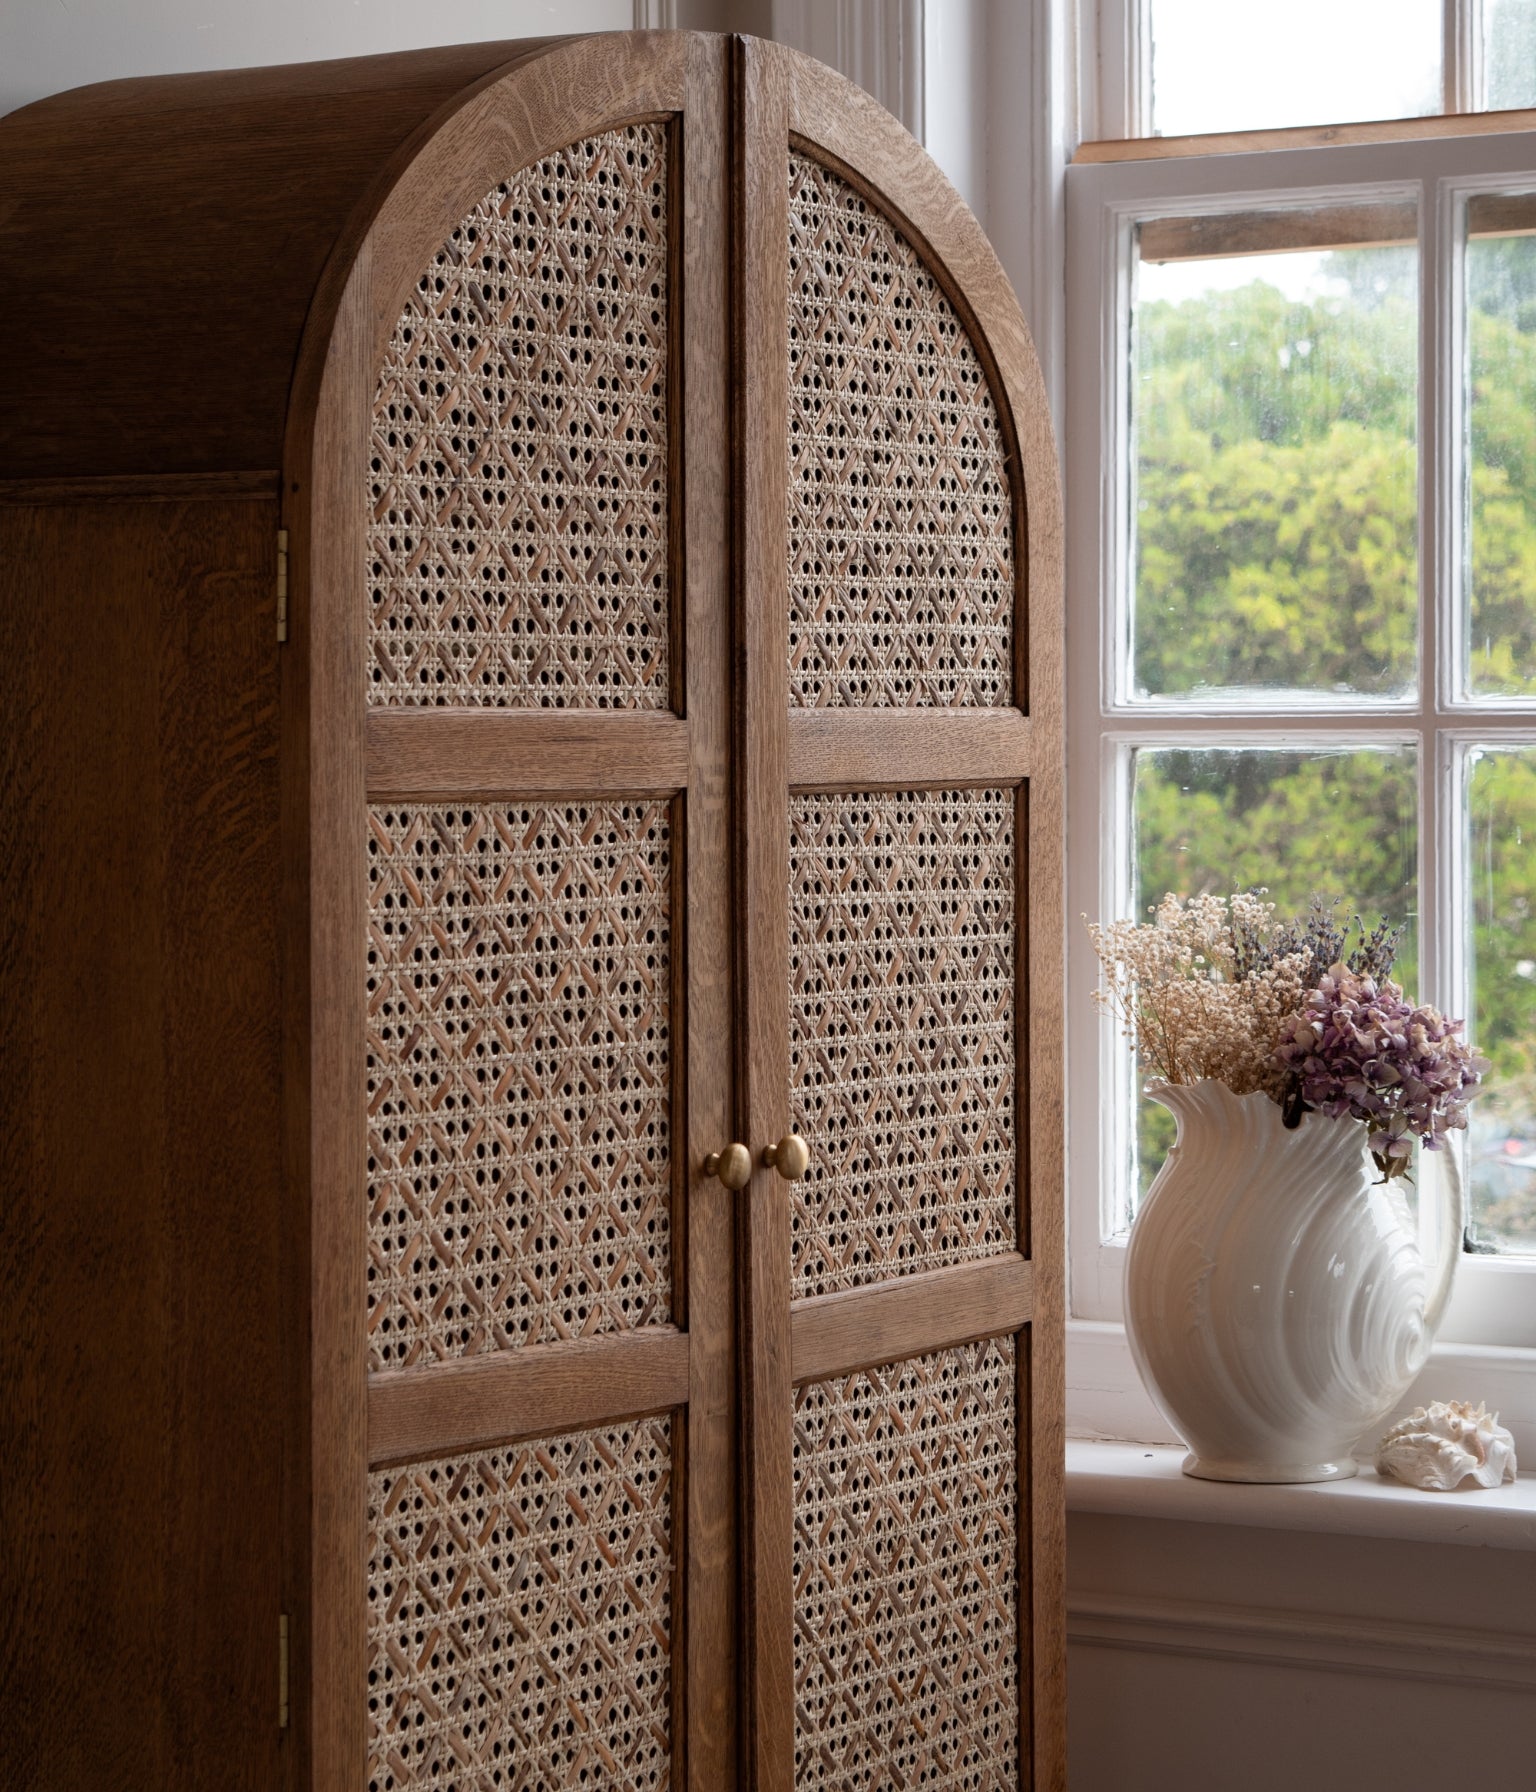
x,y
533,813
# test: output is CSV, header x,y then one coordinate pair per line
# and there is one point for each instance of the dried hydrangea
x,y
1359,1048
1200,993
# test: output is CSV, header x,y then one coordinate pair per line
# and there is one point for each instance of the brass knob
x,y
790,1157
733,1166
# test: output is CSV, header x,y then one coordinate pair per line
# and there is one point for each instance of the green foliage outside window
x,y
1276,549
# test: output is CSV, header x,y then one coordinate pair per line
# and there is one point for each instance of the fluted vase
x,y
1277,1303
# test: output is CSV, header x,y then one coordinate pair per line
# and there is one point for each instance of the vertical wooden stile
x,y
762,921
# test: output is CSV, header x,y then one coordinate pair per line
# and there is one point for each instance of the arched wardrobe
x,y
534,817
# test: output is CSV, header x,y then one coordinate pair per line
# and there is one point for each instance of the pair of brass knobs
x,y
790,1157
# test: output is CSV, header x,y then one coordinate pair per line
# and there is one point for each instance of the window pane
x,y
1501,444
1273,420
1338,823
1249,68
1501,791
1509,53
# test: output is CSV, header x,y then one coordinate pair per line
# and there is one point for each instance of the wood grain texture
x,y
886,1322
142,1401
506,1396
325,901
447,753
836,122
215,201
762,890
907,749
707,1211
145,488
1384,130
557,96
1385,223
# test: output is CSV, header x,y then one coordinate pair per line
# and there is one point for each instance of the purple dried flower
x,y
1358,1049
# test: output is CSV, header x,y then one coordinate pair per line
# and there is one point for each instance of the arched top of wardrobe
x,y
182,327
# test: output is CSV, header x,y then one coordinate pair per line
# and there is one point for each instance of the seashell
x,y
1440,1446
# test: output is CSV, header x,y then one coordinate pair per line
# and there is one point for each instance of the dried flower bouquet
x,y
1215,987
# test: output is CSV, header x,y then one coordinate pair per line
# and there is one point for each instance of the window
x,y
1301,486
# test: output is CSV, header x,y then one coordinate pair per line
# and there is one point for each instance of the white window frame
x,y
1115,39
1491,1326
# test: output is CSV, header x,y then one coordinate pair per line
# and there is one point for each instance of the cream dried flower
x,y
1176,989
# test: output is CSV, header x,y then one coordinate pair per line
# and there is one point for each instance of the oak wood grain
x,y
506,1396
215,199
1309,136
142,1398
707,1211
427,754
325,902
840,125
907,749
144,488
554,96
886,1322
1381,224
760,423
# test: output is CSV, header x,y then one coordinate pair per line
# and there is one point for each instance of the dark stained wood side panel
x,y
202,209
886,1322
141,1402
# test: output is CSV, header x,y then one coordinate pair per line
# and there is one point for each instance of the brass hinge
x,y
282,591
282,1671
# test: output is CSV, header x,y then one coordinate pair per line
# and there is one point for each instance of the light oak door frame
x,y
788,104
350,755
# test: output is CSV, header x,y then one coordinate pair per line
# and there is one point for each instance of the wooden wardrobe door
x,y
900,766
532,1577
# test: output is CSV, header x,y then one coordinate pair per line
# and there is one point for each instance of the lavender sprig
x,y
1359,1049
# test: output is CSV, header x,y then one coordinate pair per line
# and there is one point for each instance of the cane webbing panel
x,y
517,537
519,1182
901,1015
901,556
906,1576
519,1616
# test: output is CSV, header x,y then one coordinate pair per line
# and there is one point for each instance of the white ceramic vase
x,y
1277,1303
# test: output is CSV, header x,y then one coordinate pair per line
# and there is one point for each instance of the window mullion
x,y
1462,61
1125,68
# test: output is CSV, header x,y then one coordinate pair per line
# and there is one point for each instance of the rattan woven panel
x,y
901,1007
518,533
906,1576
519,1617
901,555
519,969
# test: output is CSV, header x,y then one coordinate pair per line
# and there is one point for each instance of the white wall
x,y
47,46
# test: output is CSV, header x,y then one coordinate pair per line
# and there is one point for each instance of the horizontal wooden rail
x,y
453,753
905,749
834,1334
509,1395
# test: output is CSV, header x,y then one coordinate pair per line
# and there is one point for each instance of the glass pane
x,y
1274,410
1501,794
1335,823
1509,53
1501,443
1250,68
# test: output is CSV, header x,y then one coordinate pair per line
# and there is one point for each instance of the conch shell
x,y
1438,1447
